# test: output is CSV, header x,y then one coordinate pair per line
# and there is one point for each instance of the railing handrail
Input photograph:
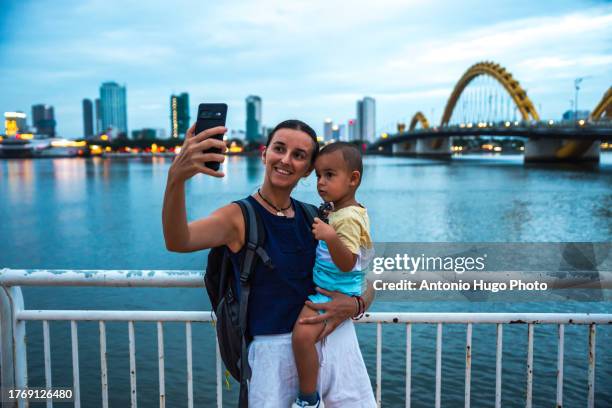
x,y
370,317
102,277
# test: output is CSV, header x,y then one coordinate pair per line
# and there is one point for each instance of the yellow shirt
x,y
353,227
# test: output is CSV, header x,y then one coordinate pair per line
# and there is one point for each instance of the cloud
x,y
308,59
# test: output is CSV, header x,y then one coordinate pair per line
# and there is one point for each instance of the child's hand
x,y
322,231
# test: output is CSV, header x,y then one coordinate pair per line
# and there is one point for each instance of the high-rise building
x,y
113,106
179,115
335,132
14,122
98,117
328,130
366,119
352,130
88,129
265,132
358,121
253,118
342,136
43,120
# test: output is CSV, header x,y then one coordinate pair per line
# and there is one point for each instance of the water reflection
x,y
254,169
20,175
69,178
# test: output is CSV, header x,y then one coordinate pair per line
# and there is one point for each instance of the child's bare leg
x,y
303,340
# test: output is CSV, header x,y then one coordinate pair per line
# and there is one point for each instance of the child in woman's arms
x,y
342,256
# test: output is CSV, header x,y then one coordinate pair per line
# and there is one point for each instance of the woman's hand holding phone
x,y
192,156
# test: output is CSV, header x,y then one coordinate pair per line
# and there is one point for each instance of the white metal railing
x,y
13,317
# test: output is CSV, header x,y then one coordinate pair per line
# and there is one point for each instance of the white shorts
x,y
343,380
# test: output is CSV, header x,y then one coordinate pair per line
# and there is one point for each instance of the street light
x,y
577,83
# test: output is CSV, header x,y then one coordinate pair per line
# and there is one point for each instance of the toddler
x,y
344,250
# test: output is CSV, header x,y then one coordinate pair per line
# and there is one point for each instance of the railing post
x,y
14,372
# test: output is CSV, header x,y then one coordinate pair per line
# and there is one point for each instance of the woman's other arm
x,y
337,310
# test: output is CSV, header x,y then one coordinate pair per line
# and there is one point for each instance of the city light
x,y
507,124
581,122
551,122
68,143
104,137
15,115
491,147
384,135
235,148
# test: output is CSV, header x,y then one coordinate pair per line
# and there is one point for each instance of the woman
x,y
276,296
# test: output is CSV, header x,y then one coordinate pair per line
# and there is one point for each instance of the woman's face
x,y
288,157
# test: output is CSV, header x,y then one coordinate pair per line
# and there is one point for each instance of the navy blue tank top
x,y
278,295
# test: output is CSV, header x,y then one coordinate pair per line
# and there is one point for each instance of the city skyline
x,y
406,55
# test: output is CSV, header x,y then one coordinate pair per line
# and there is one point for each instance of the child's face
x,y
334,180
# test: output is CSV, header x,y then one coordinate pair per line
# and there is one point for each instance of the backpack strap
x,y
255,237
309,210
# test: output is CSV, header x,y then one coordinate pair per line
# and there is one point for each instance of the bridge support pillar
x,y
435,148
404,148
558,150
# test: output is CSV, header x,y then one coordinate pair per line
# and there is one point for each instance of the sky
x,y
309,60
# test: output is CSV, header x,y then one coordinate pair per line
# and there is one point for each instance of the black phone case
x,y
211,115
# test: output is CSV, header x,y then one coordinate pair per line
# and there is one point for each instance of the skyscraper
x,y
98,117
113,106
366,119
253,118
179,115
335,132
43,120
88,129
342,136
328,130
352,130
358,121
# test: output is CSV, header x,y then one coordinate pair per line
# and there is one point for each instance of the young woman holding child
x,y
278,296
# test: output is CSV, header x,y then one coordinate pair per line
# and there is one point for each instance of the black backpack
x,y
231,312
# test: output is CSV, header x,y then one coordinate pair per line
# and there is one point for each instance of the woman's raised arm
x,y
217,229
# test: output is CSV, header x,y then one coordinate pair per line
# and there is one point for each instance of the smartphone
x,y
211,115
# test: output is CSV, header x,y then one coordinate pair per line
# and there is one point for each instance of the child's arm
x,y
343,258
